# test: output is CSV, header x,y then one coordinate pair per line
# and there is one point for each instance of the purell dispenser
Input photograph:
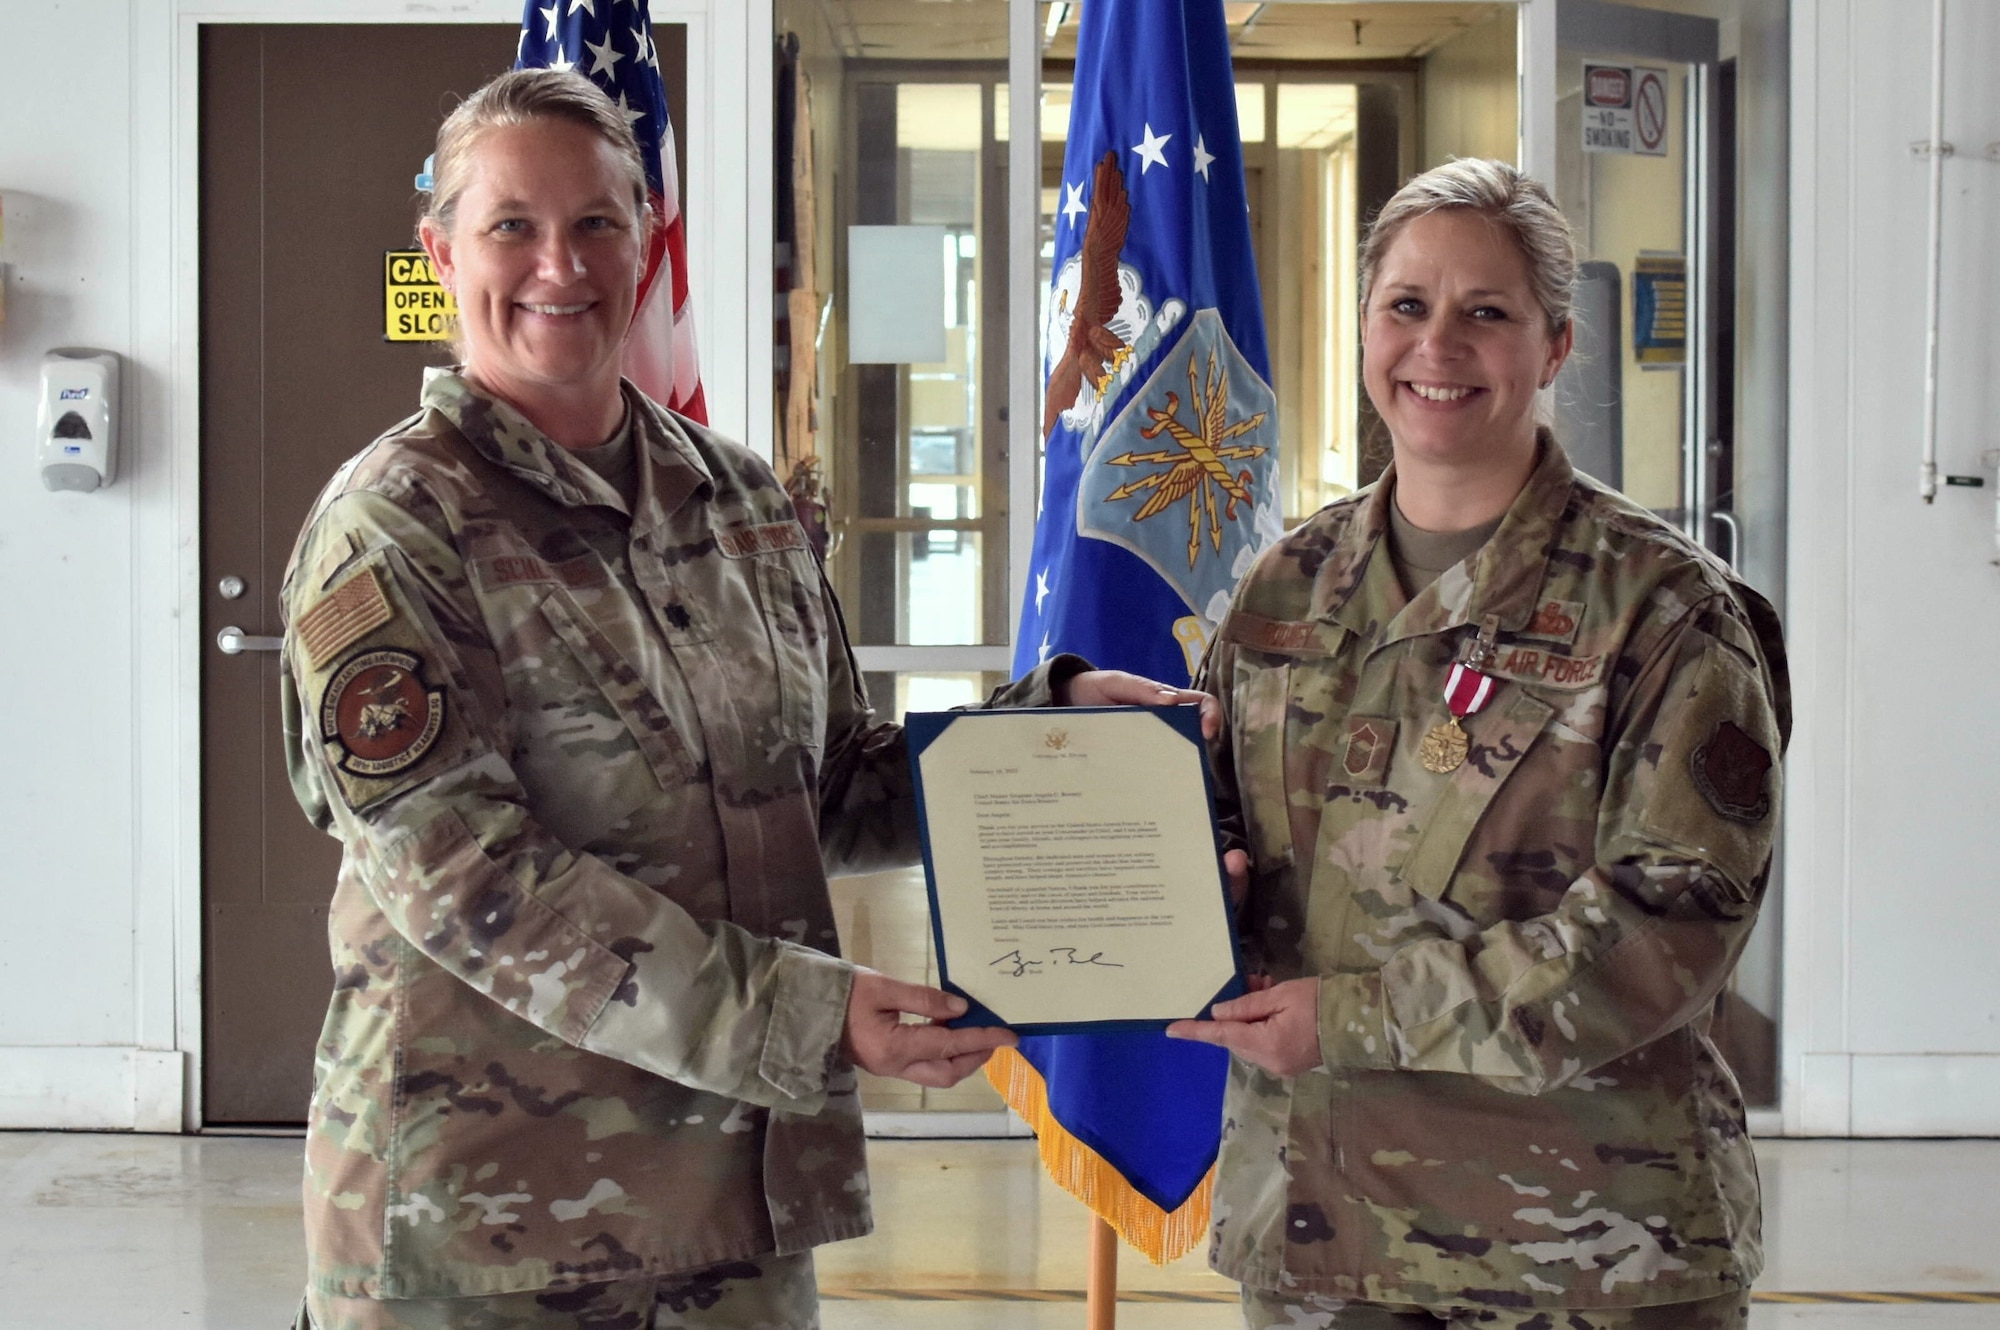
x,y
76,430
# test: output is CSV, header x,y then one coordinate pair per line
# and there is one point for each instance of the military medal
x,y
1444,749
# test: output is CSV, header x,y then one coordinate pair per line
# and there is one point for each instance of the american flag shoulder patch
x,y
343,616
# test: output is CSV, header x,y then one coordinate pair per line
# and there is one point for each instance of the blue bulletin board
x,y
1659,310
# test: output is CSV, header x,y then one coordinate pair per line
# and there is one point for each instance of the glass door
x,y
1636,120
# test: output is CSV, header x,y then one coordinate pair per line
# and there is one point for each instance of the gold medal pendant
x,y
1444,747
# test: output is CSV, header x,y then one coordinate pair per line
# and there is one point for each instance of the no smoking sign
x,y
1625,109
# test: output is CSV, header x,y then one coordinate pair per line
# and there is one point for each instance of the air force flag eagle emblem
x,y
1197,442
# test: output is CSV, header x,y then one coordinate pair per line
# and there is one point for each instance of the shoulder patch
x,y
343,616
1729,768
377,717
740,542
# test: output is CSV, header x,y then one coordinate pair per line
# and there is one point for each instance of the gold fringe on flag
x,y
1084,1174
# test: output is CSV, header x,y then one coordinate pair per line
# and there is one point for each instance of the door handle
x,y
1728,522
234,641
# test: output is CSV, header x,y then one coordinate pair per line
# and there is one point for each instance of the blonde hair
x,y
1504,195
522,97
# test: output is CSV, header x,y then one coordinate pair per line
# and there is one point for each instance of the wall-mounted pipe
x,y
1938,150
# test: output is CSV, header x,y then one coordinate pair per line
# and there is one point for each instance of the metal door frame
x,y
1602,27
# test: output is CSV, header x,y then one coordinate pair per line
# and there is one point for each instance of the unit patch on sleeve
x,y
376,717
343,616
1729,768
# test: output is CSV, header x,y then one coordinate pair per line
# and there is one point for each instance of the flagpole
x,y
1101,1292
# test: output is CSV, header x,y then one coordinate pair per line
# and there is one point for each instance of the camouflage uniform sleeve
x,y
438,832
1643,940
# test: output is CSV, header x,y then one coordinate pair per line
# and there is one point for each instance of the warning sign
x,y
1625,109
1660,310
414,307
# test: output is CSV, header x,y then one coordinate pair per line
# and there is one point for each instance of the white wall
x,y
100,1021
86,882
1892,1016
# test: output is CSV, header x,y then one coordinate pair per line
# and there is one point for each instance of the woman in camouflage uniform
x,y
1505,748
565,679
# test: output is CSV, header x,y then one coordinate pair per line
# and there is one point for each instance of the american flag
x,y
611,41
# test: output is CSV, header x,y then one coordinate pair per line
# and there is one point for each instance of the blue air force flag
x,y
1160,470
1160,488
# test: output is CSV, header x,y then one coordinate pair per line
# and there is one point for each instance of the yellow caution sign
x,y
414,307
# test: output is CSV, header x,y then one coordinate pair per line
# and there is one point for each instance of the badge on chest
x,y
1445,746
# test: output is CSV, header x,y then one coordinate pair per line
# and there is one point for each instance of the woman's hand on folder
x,y
1275,1026
879,1040
1116,688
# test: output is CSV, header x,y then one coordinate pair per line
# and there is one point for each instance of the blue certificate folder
x,y
926,728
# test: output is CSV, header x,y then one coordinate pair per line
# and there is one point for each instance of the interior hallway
x,y
104,1232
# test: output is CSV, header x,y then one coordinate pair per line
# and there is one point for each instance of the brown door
x,y
311,137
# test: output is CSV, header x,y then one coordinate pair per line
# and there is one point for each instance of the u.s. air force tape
x,y
377,717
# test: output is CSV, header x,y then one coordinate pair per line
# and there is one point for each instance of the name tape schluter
x,y
415,308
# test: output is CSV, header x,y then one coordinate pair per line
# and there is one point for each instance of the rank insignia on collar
x,y
377,718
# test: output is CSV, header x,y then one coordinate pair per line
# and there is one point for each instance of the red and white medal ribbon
x,y
1466,690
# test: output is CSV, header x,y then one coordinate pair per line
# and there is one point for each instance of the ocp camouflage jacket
x,y
1520,1105
590,769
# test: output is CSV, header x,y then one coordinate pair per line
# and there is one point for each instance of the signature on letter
x,y
1014,965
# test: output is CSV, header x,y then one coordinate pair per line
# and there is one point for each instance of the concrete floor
x,y
100,1232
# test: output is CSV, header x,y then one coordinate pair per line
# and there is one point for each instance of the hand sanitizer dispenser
x,y
76,430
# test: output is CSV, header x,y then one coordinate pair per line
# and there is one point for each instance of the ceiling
x,y
1290,30
1301,31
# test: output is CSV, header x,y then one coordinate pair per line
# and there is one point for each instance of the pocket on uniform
x,y
1259,698
795,618
1501,738
636,707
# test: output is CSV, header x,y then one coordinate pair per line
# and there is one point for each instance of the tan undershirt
x,y
615,461
1420,557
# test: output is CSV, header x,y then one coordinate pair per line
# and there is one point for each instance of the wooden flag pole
x,y
1101,1293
